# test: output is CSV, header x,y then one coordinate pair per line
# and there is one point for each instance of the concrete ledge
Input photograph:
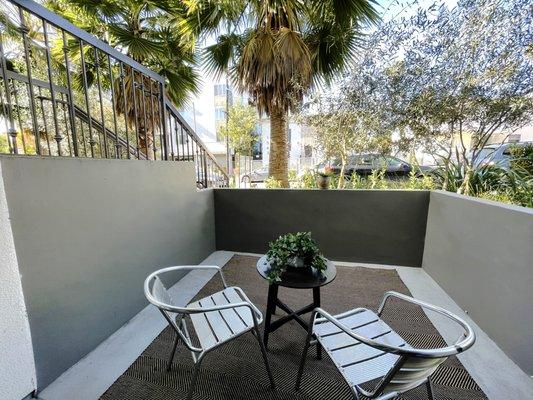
x,y
373,226
498,376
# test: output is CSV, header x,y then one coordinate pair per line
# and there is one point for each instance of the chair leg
x,y
430,390
304,356
169,364
265,358
194,378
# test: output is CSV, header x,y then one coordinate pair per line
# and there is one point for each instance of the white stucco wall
x,y
17,369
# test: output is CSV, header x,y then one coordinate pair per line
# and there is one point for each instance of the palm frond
x,y
331,48
138,47
217,58
342,12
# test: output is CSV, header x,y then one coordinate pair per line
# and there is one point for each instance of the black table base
x,y
274,302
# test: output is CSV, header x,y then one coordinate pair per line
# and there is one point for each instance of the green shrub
x,y
4,145
424,182
271,183
292,175
488,181
522,159
307,180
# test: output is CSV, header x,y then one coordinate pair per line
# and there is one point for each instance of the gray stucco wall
x,y
385,227
86,233
481,253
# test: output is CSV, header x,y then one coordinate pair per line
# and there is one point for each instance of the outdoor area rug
x,y
236,370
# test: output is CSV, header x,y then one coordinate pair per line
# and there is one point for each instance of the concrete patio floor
x,y
498,376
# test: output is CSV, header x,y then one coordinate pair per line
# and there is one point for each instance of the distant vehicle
x,y
256,176
364,164
497,154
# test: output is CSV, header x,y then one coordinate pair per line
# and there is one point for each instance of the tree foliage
x,y
343,128
240,128
448,79
145,30
275,50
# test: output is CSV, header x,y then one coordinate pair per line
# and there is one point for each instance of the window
x,y
485,153
393,162
257,150
308,151
220,90
220,114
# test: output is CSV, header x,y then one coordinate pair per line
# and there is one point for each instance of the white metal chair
x,y
216,319
364,348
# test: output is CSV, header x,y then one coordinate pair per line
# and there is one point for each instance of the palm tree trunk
x,y
279,156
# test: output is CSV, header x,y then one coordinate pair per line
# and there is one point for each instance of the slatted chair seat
x,y
358,362
364,348
215,327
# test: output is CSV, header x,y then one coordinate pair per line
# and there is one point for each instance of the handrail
x,y
189,129
60,22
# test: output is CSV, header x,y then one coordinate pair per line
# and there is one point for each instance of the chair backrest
x,y
157,291
160,292
408,373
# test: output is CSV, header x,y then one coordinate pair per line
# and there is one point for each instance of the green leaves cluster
x,y
240,128
445,81
274,50
522,159
286,248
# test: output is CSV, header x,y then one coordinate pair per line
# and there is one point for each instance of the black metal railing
x,y
63,92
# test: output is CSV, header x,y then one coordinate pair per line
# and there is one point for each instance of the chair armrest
x,y
460,345
187,268
431,353
409,299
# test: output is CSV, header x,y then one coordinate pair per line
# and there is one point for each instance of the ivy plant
x,y
284,250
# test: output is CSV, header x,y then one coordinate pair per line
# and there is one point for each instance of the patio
x,y
88,320
99,199
237,371
131,363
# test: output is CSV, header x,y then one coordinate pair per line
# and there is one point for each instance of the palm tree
x,y
147,32
275,50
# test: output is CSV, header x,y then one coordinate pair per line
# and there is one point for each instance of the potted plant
x,y
324,177
296,251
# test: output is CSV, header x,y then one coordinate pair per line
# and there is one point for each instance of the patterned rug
x,y
236,370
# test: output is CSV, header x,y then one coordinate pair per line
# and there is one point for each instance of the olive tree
x,y
344,128
447,77
239,130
